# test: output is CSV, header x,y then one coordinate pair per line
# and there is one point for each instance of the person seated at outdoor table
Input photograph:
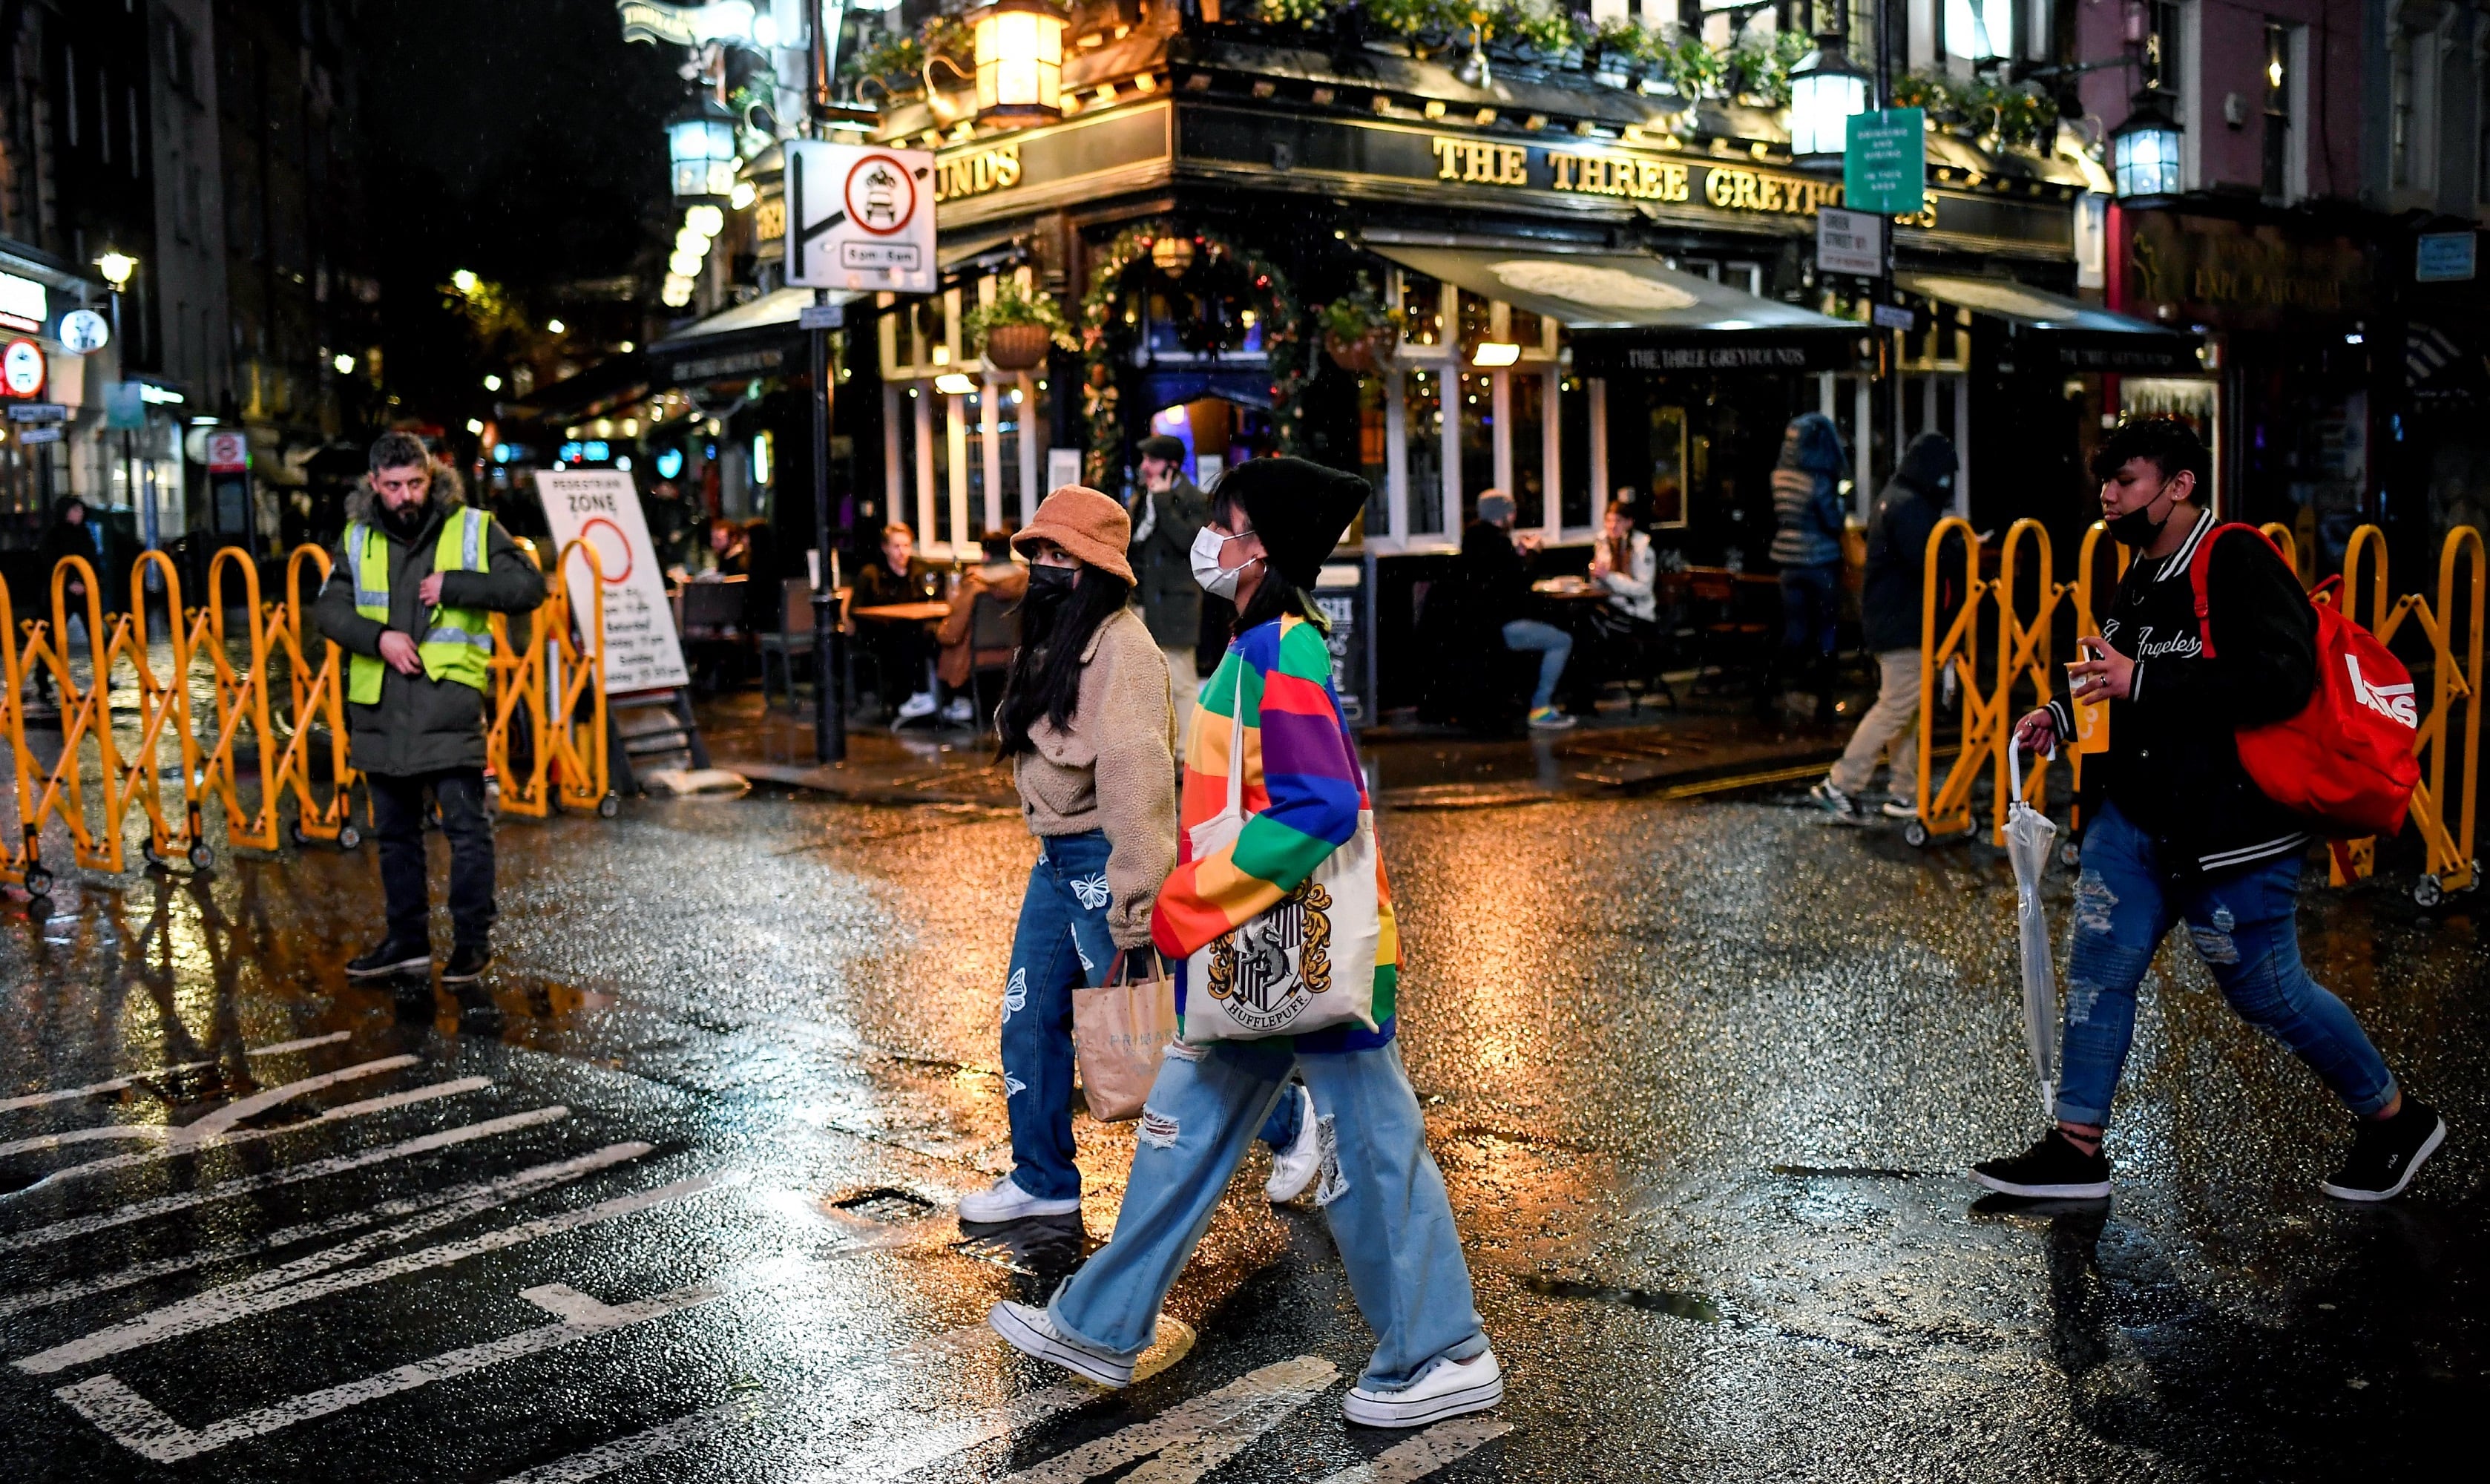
x,y
999,577
1494,576
730,551
1623,562
903,653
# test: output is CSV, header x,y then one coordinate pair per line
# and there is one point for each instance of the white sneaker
x,y
1899,808
1448,1389
1007,1202
918,705
958,712
1029,1331
1292,1169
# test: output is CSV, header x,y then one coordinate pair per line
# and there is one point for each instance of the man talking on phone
x,y
2180,831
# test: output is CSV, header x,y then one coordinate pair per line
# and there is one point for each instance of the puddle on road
x,y
1657,1301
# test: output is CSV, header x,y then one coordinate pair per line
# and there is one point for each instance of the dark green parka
x,y
1162,559
422,725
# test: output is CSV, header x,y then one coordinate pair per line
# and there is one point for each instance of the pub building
x,y
1603,291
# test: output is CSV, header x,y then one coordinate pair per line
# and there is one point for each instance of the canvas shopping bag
x,y
1118,1032
1305,965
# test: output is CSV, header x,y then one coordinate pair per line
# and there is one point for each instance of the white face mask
x,y
1215,580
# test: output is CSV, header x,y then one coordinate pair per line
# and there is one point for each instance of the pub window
x,y
1477,323
1665,471
1573,451
1373,453
1422,302
1011,413
976,411
2285,177
1528,448
1422,400
1476,410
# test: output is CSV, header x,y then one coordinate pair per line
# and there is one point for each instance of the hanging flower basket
x,y
1362,355
1017,347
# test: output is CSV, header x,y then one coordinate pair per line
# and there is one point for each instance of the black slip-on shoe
x,y
2386,1153
2051,1169
466,964
391,957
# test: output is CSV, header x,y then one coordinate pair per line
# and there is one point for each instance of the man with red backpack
x,y
2179,830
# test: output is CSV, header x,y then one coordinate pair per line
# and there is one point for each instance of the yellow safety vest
x,y
458,642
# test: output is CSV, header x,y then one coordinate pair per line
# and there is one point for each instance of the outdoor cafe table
x,y
930,612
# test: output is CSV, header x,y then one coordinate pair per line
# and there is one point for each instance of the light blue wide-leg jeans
x,y
1379,1189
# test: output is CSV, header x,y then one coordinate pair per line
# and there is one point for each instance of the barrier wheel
x,y
2070,855
39,882
147,852
201,857
1916,832
349,837
2428,892
609,806
294,833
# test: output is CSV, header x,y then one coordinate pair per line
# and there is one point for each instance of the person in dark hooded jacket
x,y
1806,544
1888,613
411,588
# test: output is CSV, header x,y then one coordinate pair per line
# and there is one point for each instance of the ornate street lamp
x,y
701,143
1020,62
1826,88
2144,151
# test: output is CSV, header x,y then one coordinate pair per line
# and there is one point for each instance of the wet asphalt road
x,y
670,1200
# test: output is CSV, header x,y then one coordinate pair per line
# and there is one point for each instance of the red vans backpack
x,y
2345,762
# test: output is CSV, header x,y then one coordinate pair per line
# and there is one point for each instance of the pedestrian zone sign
x,y
860,217
1885,165
600,508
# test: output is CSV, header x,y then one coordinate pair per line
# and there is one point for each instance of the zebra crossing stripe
x,y
244,1300
622,1452
226,1141
1438,1448
524,1181
1193,1436
141,1426
119,1084
210,1124
252,1184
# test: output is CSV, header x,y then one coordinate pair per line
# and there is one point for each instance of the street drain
x,y
887,1204
1660,1301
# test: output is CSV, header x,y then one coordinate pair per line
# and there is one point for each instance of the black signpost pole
x,y
830,695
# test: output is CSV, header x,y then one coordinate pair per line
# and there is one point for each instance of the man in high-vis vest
x,y
411,591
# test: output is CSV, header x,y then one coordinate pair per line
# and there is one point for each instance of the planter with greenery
x,y
1013,332
1360,332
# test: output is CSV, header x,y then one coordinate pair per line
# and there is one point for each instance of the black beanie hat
x,y
1928,462
1298,508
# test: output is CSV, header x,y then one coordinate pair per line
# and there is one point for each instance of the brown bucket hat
x,y
1086,523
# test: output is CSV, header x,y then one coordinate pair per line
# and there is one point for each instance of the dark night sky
x,y
529,136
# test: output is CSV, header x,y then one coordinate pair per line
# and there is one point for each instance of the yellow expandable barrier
x,y
1945,808
256,744
2024,653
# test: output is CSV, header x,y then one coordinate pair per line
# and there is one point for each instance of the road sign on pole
x,y
860,217
1849,241
1883,168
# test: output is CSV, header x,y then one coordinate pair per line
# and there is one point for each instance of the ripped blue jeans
x,y
2243,926
1062,943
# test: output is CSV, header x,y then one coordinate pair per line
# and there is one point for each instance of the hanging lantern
x,y
1020,62
1173,256
2144,151
1826,88
701,144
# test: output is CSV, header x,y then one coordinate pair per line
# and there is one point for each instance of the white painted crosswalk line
x,y
1432,1451
120,1084
210,1125
622,1452
1194,1437
436,1208
142,1427
228,1140
237,1301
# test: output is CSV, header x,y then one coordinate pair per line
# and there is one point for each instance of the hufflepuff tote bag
x,y
1306,963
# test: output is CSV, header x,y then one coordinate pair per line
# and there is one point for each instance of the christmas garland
x,y
1105,340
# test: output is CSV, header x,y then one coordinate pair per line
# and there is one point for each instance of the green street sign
x,y
1884,169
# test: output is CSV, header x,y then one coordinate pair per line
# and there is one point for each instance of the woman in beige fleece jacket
x,y
1089,722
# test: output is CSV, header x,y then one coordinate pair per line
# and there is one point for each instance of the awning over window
x,y
2045,329
757,339
1629,312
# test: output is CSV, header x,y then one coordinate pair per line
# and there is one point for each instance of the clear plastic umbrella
x,y
2028,837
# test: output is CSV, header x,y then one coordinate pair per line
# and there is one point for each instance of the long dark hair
x,y
1275,595
1045,677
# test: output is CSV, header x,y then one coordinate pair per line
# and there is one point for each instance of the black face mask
x,y
1049,586
2137,529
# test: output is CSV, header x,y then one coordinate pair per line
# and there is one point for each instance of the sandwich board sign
x,y
600,509
860,217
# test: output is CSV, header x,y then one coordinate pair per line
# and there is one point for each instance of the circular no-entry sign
x,y
21,368
613,549
880,195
